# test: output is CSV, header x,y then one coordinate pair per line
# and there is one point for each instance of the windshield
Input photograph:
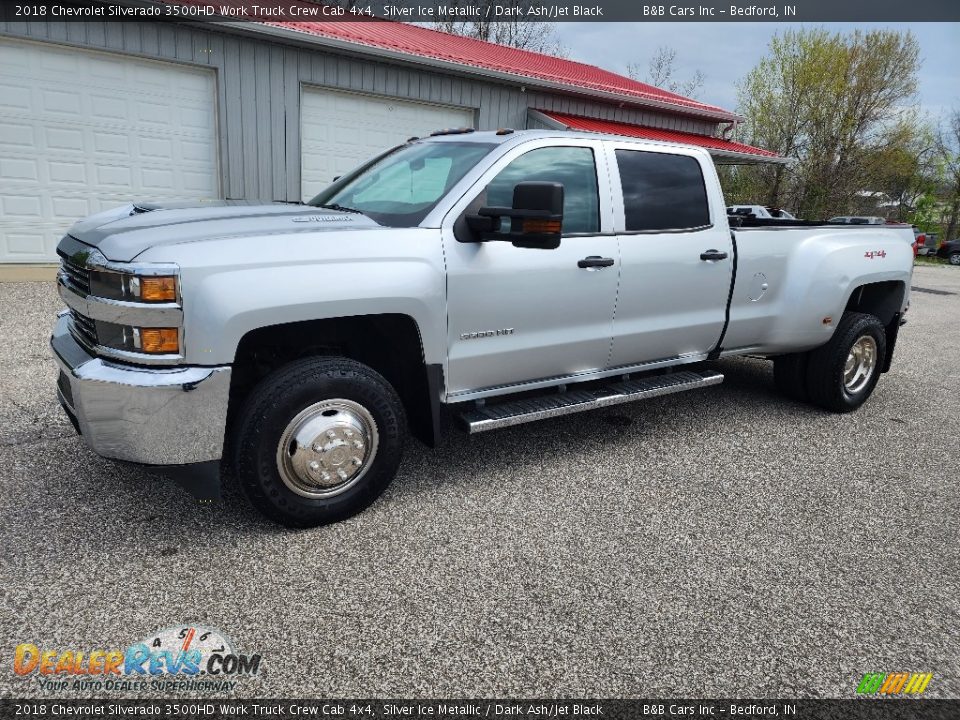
x,y
401,187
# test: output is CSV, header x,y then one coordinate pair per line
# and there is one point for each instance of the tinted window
x,y
662,192
572,166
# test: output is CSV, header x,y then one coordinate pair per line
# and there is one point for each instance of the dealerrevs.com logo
x,y
184,657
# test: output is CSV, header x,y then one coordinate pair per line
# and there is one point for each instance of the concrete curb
x,y
28,273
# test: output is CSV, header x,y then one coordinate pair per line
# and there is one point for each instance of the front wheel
x,y
318,441
954,258
842,374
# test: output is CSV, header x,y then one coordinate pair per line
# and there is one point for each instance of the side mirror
x,y
536,218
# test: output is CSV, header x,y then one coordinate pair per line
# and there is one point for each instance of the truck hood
x,y
124,232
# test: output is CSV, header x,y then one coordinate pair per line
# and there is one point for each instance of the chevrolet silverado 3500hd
x,y
512,276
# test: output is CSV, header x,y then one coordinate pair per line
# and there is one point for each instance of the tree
x,y
517,32
838,105
948,152
660,73
902,167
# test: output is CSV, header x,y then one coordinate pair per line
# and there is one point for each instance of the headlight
x,y
153,340
133,288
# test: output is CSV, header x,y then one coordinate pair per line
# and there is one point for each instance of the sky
x,y
725,52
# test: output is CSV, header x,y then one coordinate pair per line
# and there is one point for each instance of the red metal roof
x,y
426,43
575,122
433,45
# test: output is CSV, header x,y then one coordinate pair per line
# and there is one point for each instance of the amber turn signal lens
x,y
541,226
159,340
162,288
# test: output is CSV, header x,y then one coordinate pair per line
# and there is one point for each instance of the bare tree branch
x,y
519,32
660,73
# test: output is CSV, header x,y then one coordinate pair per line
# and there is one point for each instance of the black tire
x,y
826,365
954,258
790,376
286,394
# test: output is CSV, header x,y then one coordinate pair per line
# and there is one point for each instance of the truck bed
x,y
746,222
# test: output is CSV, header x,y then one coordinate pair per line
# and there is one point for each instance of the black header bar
x,y
425,11
347,709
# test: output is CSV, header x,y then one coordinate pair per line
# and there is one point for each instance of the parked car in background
x,y
929,244
919,239
950,251
767,212
857,220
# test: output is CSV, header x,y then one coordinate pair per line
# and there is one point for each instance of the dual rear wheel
x,y
841,374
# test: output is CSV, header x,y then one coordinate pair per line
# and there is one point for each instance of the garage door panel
x,y
59,61
67,104
15,136
111,142
110,109
196,118
25,242
109,71
341,130
20,207
198,152
10,58
152,115
75,173
198,182
82,132
15,98
64,139
65,208
114,175
156,148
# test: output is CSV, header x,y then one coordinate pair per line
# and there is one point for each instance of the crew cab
x,y
510,276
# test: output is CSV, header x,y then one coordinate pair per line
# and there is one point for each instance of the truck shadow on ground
x,y
466,460
459,459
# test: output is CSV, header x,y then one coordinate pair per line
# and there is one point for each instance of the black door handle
x,y
594,261
713,255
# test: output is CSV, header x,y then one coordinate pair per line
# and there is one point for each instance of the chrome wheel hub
x,y
861,364
327,448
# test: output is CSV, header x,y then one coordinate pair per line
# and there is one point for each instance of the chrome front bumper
x,y
156,416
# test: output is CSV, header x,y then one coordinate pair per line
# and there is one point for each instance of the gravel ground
x,y
721,543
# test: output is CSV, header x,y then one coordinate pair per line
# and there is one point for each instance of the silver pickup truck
x,y
511,276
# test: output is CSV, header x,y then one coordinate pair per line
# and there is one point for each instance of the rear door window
x,y
662,191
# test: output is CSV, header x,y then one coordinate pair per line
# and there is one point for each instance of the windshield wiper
x,y
341,208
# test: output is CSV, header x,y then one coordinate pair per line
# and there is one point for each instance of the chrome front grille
x,y
84,327
75,275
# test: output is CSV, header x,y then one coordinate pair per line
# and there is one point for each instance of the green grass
x,y
927,260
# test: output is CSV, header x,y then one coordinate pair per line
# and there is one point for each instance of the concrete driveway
x,y
720,543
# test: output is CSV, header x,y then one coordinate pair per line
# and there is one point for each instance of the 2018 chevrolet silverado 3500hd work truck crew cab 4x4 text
x,y
512,276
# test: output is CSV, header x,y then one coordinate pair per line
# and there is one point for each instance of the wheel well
x,y
388,343
883,299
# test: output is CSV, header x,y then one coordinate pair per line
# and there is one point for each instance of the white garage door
x,y
340,130
82,132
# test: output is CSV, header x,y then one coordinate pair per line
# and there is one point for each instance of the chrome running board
x,y
514,412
